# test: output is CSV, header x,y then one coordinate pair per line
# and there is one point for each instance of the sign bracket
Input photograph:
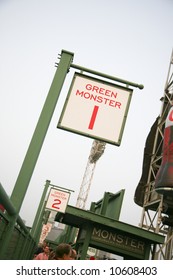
x,y
83,69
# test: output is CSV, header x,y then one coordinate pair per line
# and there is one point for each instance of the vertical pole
x,y
39,215
36,143
32,154
85,245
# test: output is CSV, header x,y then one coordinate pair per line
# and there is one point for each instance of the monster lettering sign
x,y
57,200
96,109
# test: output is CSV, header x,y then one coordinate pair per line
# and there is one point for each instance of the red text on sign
x,y
93,117
99,99
55,204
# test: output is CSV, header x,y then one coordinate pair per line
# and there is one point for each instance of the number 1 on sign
x,y
93,117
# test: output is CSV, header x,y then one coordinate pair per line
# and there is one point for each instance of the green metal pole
x,y
39,210
36,143
32,154
35,231
89,230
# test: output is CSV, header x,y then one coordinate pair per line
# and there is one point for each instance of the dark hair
x,y
62,249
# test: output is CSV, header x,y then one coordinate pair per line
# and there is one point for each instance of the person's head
x,y
46,250
73,254
45,243
63,251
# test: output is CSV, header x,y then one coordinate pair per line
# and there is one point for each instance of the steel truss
x,y
157,213
96,152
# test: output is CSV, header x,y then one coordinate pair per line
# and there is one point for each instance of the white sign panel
x,y
96,109
57,200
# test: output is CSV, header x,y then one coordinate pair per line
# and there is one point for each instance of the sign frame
x,y
54,201
70,112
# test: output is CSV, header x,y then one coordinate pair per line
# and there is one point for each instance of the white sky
x,y
131,40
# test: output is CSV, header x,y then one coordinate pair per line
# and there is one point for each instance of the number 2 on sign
x,y
55,204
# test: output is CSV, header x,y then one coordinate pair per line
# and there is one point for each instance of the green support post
x,y
32,154
37,225
36,143
86,242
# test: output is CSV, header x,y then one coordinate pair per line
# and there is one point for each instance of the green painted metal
x,y
21,244
102,232
110,205
36,143
85,245
83,69
4,200
76,217
37,224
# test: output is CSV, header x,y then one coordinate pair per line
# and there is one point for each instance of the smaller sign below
x,y
96,109
57,200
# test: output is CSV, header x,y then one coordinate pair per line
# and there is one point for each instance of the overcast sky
x,y
131,40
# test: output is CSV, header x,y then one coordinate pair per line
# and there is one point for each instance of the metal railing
x,y
21,244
